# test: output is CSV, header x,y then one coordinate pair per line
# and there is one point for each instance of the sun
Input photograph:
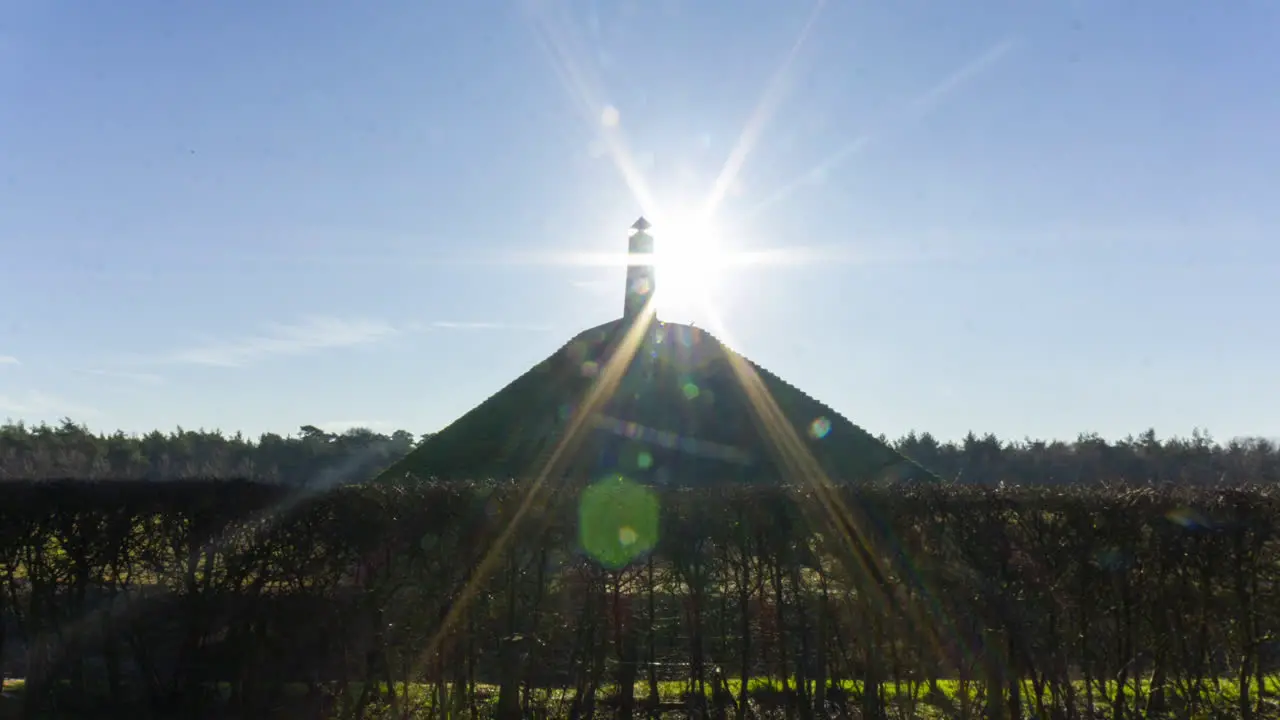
x,y
687,256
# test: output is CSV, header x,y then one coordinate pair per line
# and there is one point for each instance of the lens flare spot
x,y
691,391
634,455
1112,558
617,521
627,536
610,117
1188,518
590,368
819,428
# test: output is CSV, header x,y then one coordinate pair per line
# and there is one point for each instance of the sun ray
x,y
555,461
915,109
760,116
555,39
851,526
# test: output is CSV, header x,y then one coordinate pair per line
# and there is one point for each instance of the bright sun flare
x,y
687,258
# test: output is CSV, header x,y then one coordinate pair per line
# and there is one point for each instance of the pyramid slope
x,y
679,416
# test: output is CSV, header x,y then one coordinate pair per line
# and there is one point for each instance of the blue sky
x,y
1035,219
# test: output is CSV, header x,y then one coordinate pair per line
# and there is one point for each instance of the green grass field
x,y
1218,697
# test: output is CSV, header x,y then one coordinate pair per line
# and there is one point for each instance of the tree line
x,y
802,600
312,457
316,457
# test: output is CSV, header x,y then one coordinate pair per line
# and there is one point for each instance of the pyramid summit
x,y
658,402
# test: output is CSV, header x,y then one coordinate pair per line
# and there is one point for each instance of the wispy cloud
x,y
36,405
277,340
313,334
456,325
144,378
9,360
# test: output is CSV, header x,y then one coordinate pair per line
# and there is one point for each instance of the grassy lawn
x,y
422,697
1217,693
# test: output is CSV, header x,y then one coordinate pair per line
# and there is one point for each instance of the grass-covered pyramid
x,y
658,402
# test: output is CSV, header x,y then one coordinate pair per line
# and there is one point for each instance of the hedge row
x,y
1047,599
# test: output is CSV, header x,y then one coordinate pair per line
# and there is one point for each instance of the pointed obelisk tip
x,y
641,224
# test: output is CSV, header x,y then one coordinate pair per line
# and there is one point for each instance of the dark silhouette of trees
x,y
315,457
1090,459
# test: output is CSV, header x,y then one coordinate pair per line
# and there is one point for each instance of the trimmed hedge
x,y
124,592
